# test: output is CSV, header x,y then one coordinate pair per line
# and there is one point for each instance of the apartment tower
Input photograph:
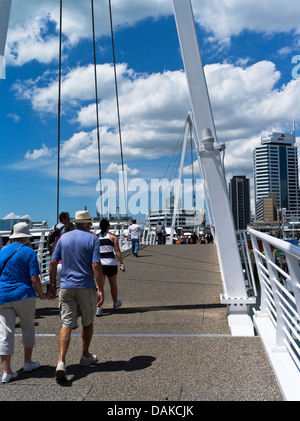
x,y
239,193
276,172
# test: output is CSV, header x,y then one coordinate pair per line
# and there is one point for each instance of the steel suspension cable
x,y
97,108
117,99
59,110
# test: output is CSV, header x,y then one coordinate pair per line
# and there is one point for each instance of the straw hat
x,y
20,230
82,217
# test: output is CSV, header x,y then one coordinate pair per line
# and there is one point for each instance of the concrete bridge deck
x,y
169,341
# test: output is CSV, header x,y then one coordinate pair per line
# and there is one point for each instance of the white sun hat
x,y
20,230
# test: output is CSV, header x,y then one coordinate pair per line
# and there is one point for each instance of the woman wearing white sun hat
x,y
19,284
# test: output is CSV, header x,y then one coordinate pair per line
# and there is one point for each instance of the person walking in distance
x,y
134,233
57,230
109,248
160,232
79,252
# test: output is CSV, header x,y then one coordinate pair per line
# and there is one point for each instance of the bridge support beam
x,y
5,6
235,295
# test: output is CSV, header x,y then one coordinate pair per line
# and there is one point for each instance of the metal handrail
x,y
277,242
40,246
280,290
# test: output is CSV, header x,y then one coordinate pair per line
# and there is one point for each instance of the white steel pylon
x,y
235,293
188,125
189,130
5,6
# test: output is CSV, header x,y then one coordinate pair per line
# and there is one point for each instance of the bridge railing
x,y
149,236
121,233
278,271
247,261
39,244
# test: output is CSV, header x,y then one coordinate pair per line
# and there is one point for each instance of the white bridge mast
x,y
235,294
5,6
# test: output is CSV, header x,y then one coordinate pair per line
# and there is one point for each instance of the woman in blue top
x,y
19,284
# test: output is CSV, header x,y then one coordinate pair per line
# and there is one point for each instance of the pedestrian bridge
x,y
175,338
170,341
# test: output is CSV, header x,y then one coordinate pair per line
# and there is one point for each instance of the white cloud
x,y
38,153
285,51
26,217
152,108
14,117
246,101
237,93
27,39
114,168
228,18
27,42
12,215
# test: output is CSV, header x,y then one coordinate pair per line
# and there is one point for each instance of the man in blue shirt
x,y
79,252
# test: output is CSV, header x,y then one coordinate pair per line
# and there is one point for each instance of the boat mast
x,y
5,6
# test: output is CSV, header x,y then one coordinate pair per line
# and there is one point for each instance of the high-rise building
x,y
276,171
266,208
239,193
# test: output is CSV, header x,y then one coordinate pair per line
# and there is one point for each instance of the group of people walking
x,y
195,239
86,259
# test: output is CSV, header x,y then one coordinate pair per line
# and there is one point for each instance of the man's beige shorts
x,y
75,302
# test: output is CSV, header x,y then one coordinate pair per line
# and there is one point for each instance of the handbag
x,y
10,258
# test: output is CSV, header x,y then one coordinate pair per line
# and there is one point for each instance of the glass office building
x,y
276,171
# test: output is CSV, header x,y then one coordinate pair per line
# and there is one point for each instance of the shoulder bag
x,y
10,258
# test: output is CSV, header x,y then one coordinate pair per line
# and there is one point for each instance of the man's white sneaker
x,y
31,366
99,311
89,360
61,374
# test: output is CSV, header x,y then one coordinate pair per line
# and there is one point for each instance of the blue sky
x,y
247,49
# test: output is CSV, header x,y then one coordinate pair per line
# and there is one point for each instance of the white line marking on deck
x,y
137,335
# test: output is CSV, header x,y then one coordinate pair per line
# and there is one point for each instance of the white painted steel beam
x,y
5,6
230,261
179,185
